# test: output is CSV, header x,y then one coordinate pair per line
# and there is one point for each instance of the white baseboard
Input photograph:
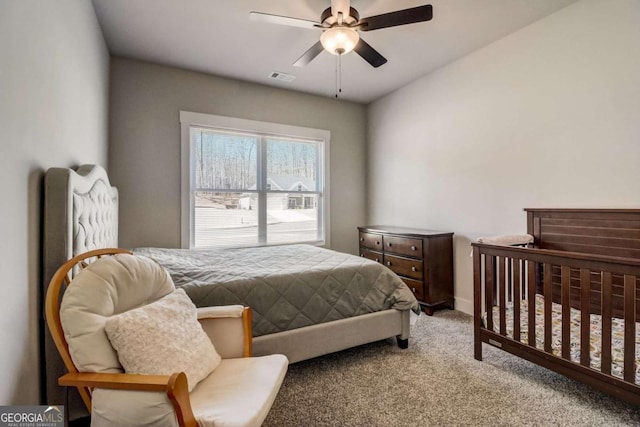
x,y
464,305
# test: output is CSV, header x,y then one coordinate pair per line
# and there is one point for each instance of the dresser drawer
x,y
372,255
403,246
371,241
404,266
416,287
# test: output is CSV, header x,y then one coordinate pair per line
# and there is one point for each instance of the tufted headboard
x,y
80,214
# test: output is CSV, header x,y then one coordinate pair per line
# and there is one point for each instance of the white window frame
x,y
190,119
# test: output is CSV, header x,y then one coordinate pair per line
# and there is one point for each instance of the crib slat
x,y
523,276
566,312
510,279
516,299
585,321
489,284
477,304
502,296
531,296
606,323
629,327
547,307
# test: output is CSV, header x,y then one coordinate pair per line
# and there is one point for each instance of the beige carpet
x,y
437,382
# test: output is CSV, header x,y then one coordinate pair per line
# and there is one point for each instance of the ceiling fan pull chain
x,y
338,71
337,65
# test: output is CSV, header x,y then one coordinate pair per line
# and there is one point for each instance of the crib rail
x,y
509,278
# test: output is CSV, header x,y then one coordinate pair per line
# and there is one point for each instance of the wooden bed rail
x,y
594,284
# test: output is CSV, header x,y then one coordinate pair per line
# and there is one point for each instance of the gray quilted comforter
x,y
287,287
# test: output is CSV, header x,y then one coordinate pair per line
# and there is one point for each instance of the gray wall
x,y
546,117
54,76
144,151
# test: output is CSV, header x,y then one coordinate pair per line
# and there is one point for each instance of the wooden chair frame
x,y
175,386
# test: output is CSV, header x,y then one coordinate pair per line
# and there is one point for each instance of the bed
x,y
307,301
571,301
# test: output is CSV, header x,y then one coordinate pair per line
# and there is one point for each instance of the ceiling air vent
x,y
283,77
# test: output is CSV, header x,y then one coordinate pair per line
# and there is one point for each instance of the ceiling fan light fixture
x,y
339,40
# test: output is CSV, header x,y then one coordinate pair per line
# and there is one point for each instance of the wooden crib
x,y
576,288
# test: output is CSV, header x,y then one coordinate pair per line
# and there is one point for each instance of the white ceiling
x,y
217,37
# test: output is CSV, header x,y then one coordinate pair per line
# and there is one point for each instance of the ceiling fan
x,y
341,24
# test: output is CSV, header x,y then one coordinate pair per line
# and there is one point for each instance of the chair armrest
x,y
220,311
175,386
229,329
117,381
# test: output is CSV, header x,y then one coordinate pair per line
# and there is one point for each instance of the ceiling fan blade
x,y
283,20
309,55
369,54
343,6
400,17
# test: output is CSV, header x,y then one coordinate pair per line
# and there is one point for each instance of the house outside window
x,y
248,183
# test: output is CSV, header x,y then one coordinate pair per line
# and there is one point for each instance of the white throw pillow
x,y
162,338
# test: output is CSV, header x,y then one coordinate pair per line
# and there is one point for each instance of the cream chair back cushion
x,y
108,286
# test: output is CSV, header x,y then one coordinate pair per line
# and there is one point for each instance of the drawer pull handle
x,y
377,260
362,239
377,242
413,248
362,255
414,290
389,263
414,269
389,244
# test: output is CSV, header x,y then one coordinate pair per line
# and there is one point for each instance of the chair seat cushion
x,y
240,392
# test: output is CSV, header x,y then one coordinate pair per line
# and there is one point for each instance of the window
x,y
248,183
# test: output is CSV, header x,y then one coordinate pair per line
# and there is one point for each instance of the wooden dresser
x,y
422,258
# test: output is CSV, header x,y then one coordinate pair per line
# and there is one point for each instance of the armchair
x,y
109,282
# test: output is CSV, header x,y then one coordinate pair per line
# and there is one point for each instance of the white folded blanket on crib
x,y
509,240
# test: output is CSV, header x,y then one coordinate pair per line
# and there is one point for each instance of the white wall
x,y
144,151
548,116
53,112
